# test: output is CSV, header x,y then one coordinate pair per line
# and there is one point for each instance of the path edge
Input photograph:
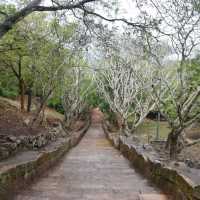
x,y
16,177
166,178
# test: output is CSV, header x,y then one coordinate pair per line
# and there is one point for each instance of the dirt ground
x,y
14,122
190,154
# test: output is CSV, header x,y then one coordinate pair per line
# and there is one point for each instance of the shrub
x,y
55,103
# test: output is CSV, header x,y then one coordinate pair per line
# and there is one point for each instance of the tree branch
x,y
34,5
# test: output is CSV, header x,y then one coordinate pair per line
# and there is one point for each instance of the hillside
x,y
13,122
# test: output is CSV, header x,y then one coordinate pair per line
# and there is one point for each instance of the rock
x,y
2,136
198,166
55,124
11,138
11,144
63,133
147,147
189,163
27,121
177,164
4,153
18,141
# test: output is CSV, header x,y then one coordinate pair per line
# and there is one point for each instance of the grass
x,y
147,130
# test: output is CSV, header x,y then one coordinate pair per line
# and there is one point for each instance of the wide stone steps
x,y
93,170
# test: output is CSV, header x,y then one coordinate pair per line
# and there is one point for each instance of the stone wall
x,y
10,145
173,180
16,173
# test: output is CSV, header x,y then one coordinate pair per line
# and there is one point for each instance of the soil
x,y
190,155
77,125
14,122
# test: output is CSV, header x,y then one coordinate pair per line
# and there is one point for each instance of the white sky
x,y
129,8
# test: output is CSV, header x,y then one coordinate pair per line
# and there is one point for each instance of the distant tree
x,y
76,88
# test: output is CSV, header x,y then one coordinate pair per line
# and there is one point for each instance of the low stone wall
x,y
173,180
10,145
16,172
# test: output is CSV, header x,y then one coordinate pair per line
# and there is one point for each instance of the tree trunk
x,y
37,113
43,118
22,97
172,144
120,121
42,106
29,93
173,151
124,130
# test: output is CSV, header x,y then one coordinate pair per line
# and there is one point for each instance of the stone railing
x,y
19,170
182,183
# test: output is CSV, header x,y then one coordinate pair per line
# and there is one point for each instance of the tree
x,y
127,88
180,109
33,51
179,104
85,7
49,63
47,79
75,91
13,54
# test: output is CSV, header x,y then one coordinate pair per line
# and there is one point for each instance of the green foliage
x,y
7,9
193,71
35,42
8,85
8,93
170,109
56,104
94,100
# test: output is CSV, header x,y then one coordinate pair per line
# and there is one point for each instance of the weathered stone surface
x,y
177,179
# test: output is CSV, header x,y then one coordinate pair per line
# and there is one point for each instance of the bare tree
x,y
180,109
180,27
75,90
127,88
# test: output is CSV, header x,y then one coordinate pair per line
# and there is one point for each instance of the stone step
x,y
153,197
93,170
